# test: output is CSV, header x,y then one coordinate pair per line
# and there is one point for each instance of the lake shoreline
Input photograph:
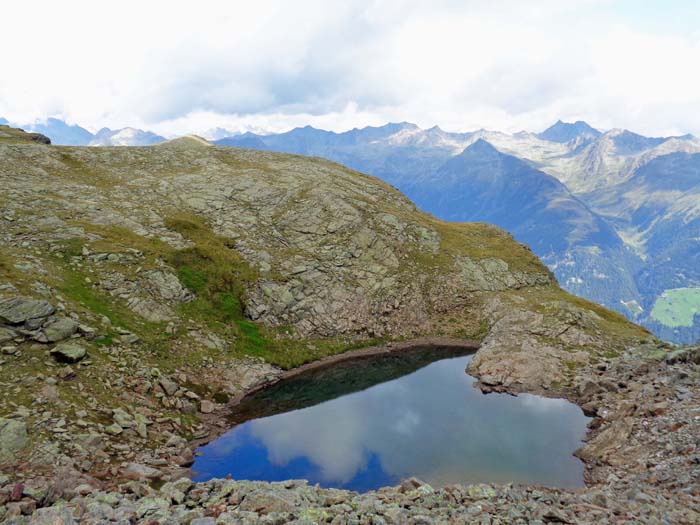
x,y
362,353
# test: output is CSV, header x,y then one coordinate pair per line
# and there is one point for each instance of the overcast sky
x,y
176,67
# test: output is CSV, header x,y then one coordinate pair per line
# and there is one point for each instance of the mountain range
x,y
614,214
64,134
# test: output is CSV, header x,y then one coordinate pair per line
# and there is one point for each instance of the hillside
x,y
142,289
483,184
175,264
601,261
658,210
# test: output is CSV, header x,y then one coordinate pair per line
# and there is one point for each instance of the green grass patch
x,y
252,341
213,270
75,288
677,307
105,339
195,280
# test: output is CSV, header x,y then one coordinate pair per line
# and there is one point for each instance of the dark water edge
x,y
346,377
368,423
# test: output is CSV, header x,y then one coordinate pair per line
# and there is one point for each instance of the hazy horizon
x,y
504,66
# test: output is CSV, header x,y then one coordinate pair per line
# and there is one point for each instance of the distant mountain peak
x,y
394,127
563,132
481,147
186,142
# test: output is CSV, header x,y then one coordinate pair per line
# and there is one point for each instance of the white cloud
x,y
178,67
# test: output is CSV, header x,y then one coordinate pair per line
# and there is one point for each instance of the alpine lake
x,y
366,423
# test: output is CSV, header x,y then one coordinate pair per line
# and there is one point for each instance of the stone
x,y
168,386
151,506
142,429
122,418
267,501
61,328
151,310
6,334
9,350
206,407
69,352
58,515
115,429
13,438
129,339
139,472
165,284
18,310
87,331
687,354
171,492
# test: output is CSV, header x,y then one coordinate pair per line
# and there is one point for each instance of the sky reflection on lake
x,y
431,424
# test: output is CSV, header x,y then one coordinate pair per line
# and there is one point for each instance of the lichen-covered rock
x,y
13,438
69,352
165,285
687,354
60,329
18,310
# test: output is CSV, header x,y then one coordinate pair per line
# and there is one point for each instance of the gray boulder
x,y
61,328
18,310
684,354
13,438
168,386
69,352
165,284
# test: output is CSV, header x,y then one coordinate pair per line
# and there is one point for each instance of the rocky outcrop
x,y
15,135
534,350
24,310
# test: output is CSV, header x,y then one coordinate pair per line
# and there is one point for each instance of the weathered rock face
x,y
20,310
526,348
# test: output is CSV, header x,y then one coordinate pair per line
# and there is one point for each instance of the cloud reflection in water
x,y
431,424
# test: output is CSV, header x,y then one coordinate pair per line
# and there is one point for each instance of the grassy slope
x,y
220,276
677,307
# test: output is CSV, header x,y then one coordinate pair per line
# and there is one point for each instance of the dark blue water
x,y
331,427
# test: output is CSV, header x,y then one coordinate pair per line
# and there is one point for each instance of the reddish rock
x,y
17,491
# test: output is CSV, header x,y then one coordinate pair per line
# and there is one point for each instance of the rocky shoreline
x,y
642,466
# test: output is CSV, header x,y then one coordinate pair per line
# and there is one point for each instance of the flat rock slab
x,y
18,310
69,352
